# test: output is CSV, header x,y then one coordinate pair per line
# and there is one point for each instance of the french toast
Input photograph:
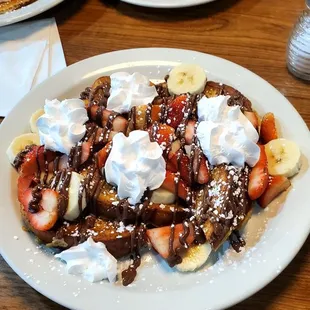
x,y
223,204
214,89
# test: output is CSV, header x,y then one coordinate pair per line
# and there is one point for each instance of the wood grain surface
x,y
252,33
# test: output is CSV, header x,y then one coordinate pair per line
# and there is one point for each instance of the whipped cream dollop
x,y
225,134
135,164
62,124
91,260
129,90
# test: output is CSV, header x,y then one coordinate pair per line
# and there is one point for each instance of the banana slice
x,y
283,156
186,78
194,258
73,209
33,120
19,143
163,196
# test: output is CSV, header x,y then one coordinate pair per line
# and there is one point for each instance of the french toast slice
x,y
116,236
214,89
109,206
223,204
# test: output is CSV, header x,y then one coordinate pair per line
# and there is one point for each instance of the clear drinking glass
x,y
298,49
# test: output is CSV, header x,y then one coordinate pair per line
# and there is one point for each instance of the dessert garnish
x,y
176,166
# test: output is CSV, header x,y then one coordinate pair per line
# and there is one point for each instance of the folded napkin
x,y
29,53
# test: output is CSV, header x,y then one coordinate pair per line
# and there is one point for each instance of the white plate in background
x,y
27,11
167,3
274,235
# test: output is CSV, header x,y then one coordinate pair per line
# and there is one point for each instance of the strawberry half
x,y
47,215
258,179
175,113
159,238
23,184
183,165
189,132
103,154
35,160
170,185
276,185
162,134
268,130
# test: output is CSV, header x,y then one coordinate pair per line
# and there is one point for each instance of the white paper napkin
x,y
29,53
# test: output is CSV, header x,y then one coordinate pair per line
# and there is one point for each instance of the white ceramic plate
x,y
167,3
273,235
27,11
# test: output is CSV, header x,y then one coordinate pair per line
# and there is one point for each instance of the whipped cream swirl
x,y
135,164
129,90
62,124
91,260
225,134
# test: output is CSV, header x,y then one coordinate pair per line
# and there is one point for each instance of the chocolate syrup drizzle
x,y
98,132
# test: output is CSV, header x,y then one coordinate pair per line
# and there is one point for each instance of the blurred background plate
x,y
27,11
167,3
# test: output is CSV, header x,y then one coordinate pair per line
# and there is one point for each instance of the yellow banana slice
x,y
186,78
284,157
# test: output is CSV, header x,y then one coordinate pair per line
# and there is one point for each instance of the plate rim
x,y
250,292
153,4
27,12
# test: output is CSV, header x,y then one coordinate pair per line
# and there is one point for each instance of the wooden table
x,y
252,33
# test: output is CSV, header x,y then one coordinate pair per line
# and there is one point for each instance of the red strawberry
x,y
159,238
170,185
155,113
258,179
30,164
103,154
268,129
120,124
252,117
183,166
203,171
190,131
162,134
47,215
86,151
175,113
36,159
23,183
276,185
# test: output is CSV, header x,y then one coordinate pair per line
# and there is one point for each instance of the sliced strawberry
x,y
175,113
23,184
203,171
268,130
189,132
30,164
182,165
86,151
252,117
170,185
162,134
159,238
47,215
120,124
276,185
36,159
155,113
258,179
103,154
